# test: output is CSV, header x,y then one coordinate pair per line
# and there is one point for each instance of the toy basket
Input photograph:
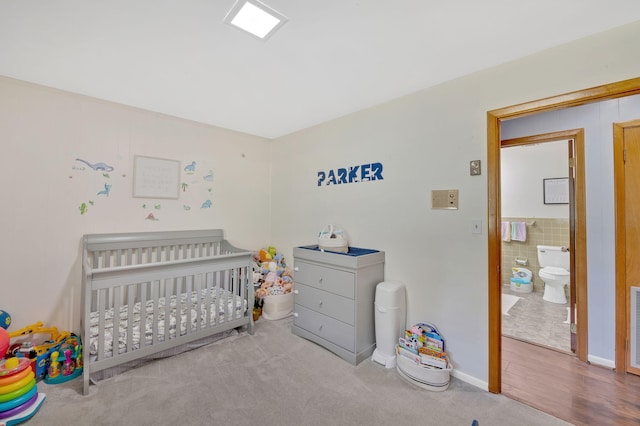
x,y
277,306
421,369
430,378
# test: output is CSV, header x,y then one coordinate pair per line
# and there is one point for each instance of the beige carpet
x,y
273,378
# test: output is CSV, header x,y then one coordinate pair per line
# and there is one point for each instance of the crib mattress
x,y
222,305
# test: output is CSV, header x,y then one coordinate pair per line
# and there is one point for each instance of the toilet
x,y
554,271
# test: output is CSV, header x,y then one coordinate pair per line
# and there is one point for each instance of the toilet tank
x,y
553,256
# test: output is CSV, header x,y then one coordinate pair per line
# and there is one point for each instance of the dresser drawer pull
x,y
320,303
296,292
295,314
320,328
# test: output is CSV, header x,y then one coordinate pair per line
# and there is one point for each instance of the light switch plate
x,y
446,199
475,168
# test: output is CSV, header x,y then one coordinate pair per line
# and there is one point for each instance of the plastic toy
x,y
40,353
25,412
18,392
24,381
5,319
70,367
19,397
13,378
4,341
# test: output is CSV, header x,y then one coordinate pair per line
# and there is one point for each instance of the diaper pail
x,y
521,280
390,308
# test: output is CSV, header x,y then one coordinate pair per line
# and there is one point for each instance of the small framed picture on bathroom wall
x,y
556,190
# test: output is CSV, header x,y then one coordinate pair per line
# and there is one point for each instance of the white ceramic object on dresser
x,y
554,271
334,299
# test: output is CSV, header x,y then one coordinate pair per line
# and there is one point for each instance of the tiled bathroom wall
x,y
540,231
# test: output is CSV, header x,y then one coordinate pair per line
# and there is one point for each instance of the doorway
x,y
626,143
494,119
537,316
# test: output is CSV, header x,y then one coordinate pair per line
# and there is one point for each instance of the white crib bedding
x,y
219,308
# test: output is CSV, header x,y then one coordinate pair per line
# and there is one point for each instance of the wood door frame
x,y
494,118
622,295
577,225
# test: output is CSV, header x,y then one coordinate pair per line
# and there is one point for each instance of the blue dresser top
x,y
353,251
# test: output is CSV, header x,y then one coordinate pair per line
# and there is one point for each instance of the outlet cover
x,y
446,199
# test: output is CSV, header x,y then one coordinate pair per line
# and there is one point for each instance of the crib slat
x,y
210,308
143,316
102,307
167,307
130,323
116,319
200,320
189,303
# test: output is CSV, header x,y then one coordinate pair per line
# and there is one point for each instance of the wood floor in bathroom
x,y
563,386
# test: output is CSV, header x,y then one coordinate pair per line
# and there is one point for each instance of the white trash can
x,y
390,320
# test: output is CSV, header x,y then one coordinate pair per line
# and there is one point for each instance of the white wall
x,y
43,131
523,168
425,142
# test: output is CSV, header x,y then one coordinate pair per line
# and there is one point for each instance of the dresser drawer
x,y
338,307
325,327
328,279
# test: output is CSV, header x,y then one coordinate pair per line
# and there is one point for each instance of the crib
x,y
148,292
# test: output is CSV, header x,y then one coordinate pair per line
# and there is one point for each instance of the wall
x,y
522,170
43,131
425,141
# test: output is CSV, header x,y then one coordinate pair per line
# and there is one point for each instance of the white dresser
x,y
333,299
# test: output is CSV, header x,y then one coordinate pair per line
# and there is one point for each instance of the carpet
x,y
508,301
275,378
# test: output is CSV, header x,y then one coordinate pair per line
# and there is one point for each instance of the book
x,y
433,361
401,351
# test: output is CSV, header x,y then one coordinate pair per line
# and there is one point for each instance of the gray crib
x,y
147,292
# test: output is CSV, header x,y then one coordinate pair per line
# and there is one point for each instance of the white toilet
x,y
554,271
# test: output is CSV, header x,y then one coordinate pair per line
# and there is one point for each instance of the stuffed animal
x,y
264,255
271,272
263,291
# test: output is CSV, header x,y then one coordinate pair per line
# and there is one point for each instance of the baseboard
x,y
470,379
602,362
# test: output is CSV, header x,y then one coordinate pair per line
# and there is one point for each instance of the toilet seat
x,y
553,272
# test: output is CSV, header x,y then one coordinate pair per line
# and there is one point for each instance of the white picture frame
x,y
156,177
556,190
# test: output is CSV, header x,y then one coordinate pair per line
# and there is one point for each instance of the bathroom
x,y
535,211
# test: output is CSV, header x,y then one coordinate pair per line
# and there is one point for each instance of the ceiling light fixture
x,y
255,17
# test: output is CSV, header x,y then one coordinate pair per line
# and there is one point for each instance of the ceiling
x,y
332,58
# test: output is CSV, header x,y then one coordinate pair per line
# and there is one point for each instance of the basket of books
x,y
421,358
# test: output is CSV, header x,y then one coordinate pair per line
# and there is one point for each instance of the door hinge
x,y
624,156
572,163
574,328
626,345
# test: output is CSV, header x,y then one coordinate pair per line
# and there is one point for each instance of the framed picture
x,y
156,177
556,190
